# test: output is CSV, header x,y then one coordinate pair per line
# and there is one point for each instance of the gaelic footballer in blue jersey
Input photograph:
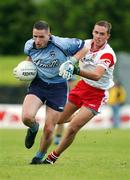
x,y
49,58
47,52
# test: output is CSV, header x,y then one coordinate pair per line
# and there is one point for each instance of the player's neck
x,y
95,47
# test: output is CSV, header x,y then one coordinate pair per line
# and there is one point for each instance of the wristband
x,y
76,70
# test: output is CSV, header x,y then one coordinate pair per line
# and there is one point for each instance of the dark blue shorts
x,y
53,95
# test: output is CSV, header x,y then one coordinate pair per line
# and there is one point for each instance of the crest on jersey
x,y
52,54
89,58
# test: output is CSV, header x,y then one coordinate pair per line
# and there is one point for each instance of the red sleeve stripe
x,y
109,57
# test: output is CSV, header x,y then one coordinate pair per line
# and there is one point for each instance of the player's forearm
x,y
90,75
95,74
80,54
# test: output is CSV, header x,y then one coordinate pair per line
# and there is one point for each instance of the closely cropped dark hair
x,y
106,24
41,25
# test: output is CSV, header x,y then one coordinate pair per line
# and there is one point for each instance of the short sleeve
x,y
106,60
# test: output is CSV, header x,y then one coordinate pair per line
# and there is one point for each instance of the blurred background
x,y
68,18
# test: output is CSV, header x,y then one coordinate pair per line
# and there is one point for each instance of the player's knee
x,y
26,118
72,130
48,131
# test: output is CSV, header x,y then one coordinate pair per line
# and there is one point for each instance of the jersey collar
x,y
100,48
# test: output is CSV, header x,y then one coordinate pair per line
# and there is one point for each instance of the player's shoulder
x,y
69,45
108,49
29,44
107,53
64,40
57,39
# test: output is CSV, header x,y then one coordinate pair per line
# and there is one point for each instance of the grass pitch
x,y
94,155
7,64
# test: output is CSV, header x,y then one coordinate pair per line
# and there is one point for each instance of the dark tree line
x,y
68,18
16,19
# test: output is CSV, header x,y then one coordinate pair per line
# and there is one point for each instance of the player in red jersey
x,y
91,92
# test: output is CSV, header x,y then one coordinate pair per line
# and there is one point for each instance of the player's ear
x,y
109,36
49,35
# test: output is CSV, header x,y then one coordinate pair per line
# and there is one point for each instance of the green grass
x,y
94,155
7,63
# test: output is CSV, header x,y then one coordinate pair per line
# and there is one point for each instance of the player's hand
x,y
69,72
15,73
66,70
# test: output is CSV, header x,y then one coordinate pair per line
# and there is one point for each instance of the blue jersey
x,y
49,59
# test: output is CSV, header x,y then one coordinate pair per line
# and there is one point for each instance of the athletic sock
x,y
34,127
52,157
40,155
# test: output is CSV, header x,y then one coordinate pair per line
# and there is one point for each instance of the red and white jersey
x,y
104,57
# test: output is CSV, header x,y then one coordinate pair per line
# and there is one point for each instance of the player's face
x,y
100,35
41,37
